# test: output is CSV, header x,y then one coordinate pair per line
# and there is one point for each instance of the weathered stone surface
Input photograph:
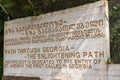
x,y
19,78
71,44
114,72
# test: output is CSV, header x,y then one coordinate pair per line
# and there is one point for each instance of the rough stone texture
x,y
114,72
19,78
82,31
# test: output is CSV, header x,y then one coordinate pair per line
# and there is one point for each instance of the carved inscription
x,y
55,31
71,44
54,56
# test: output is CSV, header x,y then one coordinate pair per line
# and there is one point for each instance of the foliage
x,y
115,42
3,17
7,3
114,13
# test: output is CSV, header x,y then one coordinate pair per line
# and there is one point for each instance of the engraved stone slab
x,y
71,44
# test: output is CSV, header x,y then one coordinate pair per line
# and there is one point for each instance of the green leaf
x,y
27,7
8,4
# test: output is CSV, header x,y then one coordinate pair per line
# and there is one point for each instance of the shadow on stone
x,y
19,78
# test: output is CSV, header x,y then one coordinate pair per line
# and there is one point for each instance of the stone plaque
x,y
71,44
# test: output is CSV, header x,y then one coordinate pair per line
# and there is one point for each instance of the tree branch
x,y
31,3
8,18
3,9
